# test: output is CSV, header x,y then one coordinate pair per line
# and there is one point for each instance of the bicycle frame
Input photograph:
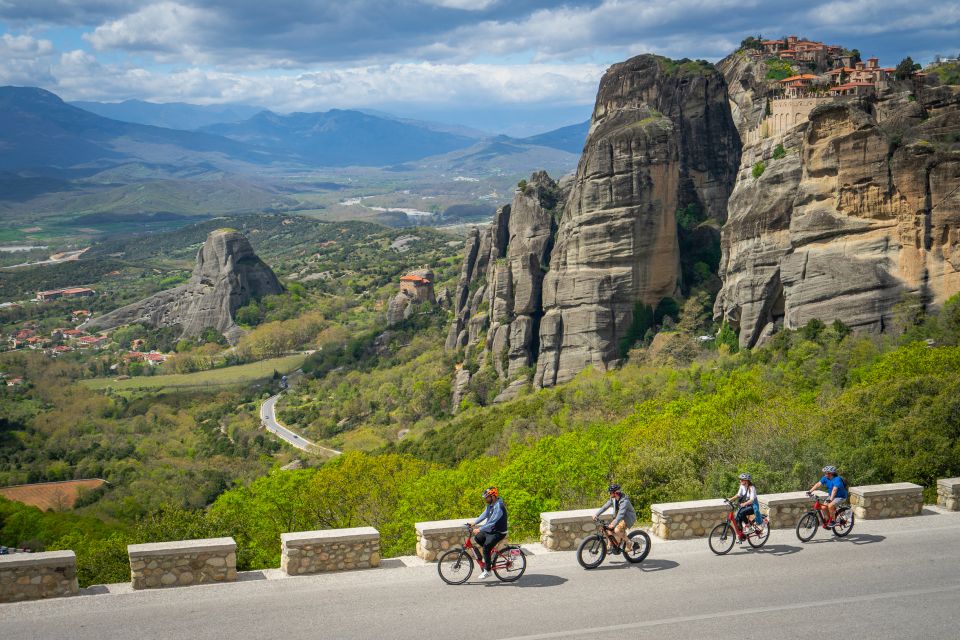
x,y
498,560
732,519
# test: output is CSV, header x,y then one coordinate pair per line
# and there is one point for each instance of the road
x,y
889,579
268,417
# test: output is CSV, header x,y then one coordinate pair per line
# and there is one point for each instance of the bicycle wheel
x,y
591,552
721,538
844,522
639,552
759,534
455,566
807,526
510,563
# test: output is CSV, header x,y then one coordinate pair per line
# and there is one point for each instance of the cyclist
x,y
624,515
493,529
837,489
746,499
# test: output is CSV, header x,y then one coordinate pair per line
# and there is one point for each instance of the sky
x,y
513,66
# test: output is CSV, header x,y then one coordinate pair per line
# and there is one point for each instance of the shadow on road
x,y
94,590
529,580
250,576
853,538
648,566
778,550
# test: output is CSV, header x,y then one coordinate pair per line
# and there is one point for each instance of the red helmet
x,y
492,492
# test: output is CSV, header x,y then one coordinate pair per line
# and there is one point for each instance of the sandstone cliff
x,y
861,210
228,274
661,139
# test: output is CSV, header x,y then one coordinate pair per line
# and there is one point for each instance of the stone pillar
x,y
32,576
948,493
330,550
694,519
894,500
182,562
563,530
433,538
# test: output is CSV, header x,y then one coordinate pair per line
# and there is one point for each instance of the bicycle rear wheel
x,y
721,538
510,564
638,546
455,566
844,522
591,552
807,526
759,534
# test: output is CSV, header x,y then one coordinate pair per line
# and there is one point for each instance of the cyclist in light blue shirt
x,y
835,486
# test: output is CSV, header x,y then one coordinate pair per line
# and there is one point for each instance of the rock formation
x,y
228,274
416,288
661,139
862,210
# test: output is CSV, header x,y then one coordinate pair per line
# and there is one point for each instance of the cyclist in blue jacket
x,y
493,529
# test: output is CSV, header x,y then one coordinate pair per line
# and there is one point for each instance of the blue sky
x,y
499,64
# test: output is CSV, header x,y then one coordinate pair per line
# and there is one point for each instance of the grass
x,y
228,376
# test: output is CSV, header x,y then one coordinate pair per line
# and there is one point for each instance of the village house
x,y
71,292
61,349
798,86
92,342
794,48
15,382
416,287
79,315
153,358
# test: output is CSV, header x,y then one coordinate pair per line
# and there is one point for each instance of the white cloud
x,y
23,47
162,28
463,5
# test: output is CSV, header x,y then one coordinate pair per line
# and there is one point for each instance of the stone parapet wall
x,y
32,576
895,500
948,493
563,530
785,509
677,520
331,550
433,538
182,563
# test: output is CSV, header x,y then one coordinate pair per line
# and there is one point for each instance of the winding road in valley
x,y
268,417
890,579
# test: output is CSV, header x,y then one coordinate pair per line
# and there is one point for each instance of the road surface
x,y
889,579
268,417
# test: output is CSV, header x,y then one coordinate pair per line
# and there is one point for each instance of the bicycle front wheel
x,y
807,526
638,546
510,564
455,566
759,534
591,552
844,523
721,538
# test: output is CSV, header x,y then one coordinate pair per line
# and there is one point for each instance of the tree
x,y
854,56
752,42
813,329
905,69
728,337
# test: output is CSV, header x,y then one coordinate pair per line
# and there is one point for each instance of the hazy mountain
x,y
342,137
570,139
502,156
38,129
172,115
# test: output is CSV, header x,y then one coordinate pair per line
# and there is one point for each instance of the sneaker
x,y
829,525
484,575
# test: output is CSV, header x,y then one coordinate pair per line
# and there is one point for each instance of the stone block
x,y
563,530
329,550
182,562
948,494
31,576
433,538
894,500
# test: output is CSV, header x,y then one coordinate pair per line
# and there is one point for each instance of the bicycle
x,y
593,548
455,566
724,534
812,520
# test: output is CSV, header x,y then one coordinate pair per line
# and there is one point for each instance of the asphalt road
x,y
888,579
268,418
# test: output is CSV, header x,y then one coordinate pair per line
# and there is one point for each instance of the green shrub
x,y
779,152
758,169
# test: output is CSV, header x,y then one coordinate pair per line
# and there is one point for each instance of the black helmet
x,y
613,487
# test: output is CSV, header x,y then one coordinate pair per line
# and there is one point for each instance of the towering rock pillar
x,y
661,138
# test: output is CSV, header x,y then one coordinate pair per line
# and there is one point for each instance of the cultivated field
x,y
48,496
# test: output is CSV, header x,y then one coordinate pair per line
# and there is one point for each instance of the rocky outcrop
x,y
862,210
416,288
661,139
228,274
748,89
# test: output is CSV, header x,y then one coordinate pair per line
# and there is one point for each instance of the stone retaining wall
x,y
330,550
31,576
433,538
895,500
182,562
676,520
948,493
563,530
785,509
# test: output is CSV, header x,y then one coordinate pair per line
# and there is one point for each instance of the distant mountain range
x,y
172,115
570,139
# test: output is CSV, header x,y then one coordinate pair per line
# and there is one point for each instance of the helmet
x,y
491,491
613,487
746,476
830,469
